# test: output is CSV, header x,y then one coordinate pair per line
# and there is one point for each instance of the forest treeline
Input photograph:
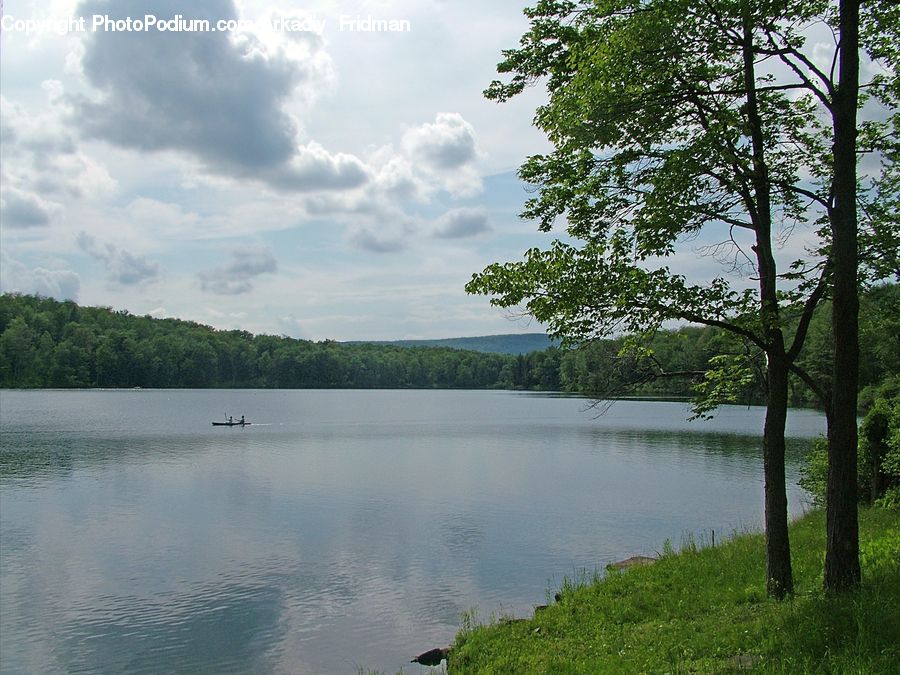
x,y
48,343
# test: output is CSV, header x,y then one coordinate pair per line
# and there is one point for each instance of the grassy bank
x,y
705,610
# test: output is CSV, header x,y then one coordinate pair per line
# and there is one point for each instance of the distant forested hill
x,y
513,343
47,343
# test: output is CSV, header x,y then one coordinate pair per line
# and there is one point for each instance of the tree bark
x,y
842,540
779,576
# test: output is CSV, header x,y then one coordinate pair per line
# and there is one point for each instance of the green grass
x,y
705,611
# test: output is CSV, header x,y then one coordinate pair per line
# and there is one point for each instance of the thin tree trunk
x,y
842,541
779,577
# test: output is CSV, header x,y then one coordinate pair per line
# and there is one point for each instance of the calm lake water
x,y
342,529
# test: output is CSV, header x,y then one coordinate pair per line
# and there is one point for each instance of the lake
x,y
343,528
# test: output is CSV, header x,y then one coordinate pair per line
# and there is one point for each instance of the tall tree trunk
x,y
779,577
842,542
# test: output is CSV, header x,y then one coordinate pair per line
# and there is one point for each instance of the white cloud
x,y
462,223
445,151
396,178
42,169
433,157
237,277
62,284
446,144
20,209
124,268
368,239
327,151
221,99
161,217
313,168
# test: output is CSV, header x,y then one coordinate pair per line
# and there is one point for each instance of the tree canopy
x,y
47,343
672,119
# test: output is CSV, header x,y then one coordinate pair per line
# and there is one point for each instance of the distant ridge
x,y
513,343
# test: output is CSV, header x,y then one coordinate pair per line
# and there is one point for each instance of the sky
x,y
292,173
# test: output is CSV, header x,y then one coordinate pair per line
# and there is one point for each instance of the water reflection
x,y
220,628
354,538
698,442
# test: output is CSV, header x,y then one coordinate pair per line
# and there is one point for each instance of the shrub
x,y
879,441
891,499
814,472
878,459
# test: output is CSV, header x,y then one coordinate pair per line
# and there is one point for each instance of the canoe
x,y
232,424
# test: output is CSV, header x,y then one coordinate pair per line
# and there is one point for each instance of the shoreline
x,y
704,609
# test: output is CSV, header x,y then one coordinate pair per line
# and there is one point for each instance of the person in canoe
x,y
242,420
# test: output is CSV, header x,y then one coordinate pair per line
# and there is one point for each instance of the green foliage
x,y
879,332
880,446
891,462
665,122
890,500
669,363
725,381
706,611
45,343
48,343
665,119
878,459
814,472
880,554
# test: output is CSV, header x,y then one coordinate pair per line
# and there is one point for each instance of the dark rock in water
x,y
432,657
633,561
540,608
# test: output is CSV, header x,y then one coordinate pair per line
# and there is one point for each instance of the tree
x,y
664,126
875,28
842,528
17,346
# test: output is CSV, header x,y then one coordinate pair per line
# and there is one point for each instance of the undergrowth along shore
x,y
705,610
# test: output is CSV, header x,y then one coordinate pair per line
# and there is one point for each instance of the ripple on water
x,y
353,531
